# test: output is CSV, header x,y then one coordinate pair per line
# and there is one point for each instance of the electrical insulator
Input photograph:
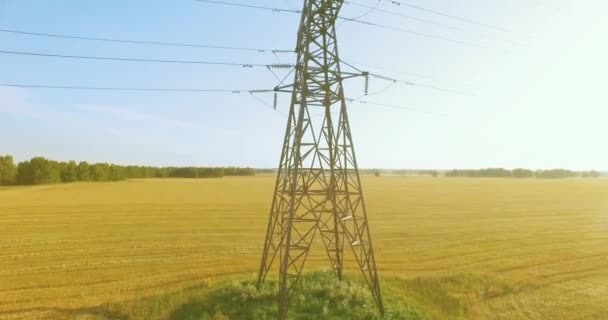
x,y
366,88
280,66
276,98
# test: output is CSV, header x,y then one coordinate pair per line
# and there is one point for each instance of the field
x,y
454,248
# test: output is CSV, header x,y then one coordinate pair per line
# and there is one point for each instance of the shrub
x,y
318,296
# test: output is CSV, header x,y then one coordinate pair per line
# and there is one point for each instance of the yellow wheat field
x,y
77,246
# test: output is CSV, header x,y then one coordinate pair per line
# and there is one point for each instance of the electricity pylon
x,y
318,188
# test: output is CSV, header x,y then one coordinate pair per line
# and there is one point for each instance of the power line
x,y
229,91
273,9
407,73
366,94
409,83
245,65
266,104
232,91
369,11
403,15
416,33
393,106
401,3
269,66
420,34
181,90
408,17
156,43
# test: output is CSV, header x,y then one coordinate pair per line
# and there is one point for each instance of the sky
x,y
532,94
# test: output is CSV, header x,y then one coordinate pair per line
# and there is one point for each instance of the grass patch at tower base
x,y
317,296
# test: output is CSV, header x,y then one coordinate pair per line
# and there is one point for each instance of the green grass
x,y
318,296
450,248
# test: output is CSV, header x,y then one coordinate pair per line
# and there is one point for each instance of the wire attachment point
x,y
366,87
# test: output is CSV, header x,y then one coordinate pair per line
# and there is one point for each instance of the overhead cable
x,y
222,63
466,20
368,23
233,91
155,43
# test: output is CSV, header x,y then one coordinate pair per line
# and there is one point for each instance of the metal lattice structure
x,y
318,188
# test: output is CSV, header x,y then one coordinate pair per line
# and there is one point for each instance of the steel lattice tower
x,y
318,188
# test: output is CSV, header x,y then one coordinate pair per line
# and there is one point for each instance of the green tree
x,y
69,172
84,173
25,175
555,174
100,172
162,172
117,173
236,171
523,173
38,170
8,171
591,174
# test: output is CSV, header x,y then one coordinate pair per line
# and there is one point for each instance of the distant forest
x,y
523,173
490,173
40,170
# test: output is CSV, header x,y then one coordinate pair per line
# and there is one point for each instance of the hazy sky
x,y
539,97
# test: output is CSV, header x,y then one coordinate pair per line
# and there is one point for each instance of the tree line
x,y
403,172
522,173
40,170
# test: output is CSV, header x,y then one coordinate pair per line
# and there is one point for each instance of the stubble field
x,y
453,248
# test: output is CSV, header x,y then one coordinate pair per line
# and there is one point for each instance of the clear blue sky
x,y
540,88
